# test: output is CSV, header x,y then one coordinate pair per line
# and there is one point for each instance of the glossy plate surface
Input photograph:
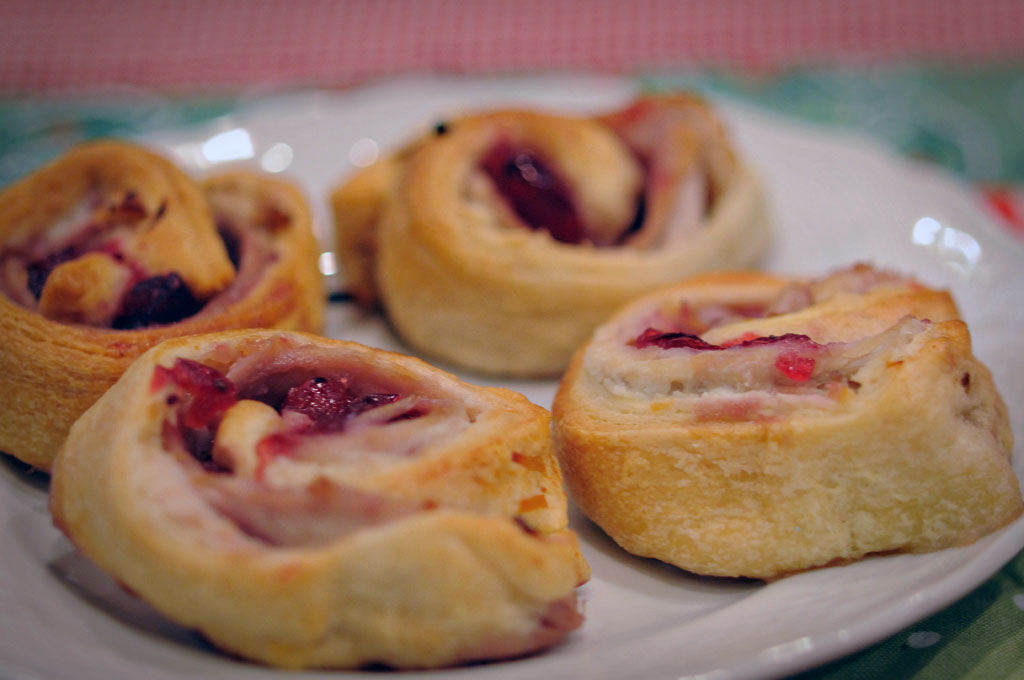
x,y
837,198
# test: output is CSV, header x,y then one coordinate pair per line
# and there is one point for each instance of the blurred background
x,y
937,79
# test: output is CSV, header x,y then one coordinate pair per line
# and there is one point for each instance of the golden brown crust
x,y
357,205
57,369
464,281
906,448
424,588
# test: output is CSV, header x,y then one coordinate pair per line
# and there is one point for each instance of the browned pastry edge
x,y
913,454
453,584
54,371
510,301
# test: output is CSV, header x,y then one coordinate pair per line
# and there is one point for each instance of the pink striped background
x,y
222,44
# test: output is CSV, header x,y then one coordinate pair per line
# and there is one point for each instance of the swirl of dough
x,y
308,502
742,424
111,249
500,241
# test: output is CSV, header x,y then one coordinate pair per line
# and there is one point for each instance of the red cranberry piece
x,y
798,339
534,191
205,394
795,361
156,300
210,391
665,340
795,366
327,402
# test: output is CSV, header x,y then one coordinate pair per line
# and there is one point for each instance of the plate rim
x,y
998,548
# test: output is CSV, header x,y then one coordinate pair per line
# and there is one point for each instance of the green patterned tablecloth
x,y
970,120
980,637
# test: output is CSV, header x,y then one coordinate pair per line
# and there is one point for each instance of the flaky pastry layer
x,y
91,242
742,424
500,241
224,480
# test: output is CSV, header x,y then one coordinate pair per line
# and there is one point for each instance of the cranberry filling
x,y
205,394
329,403
325,402
208,393
795,366
129,211
794,361
534,191
158,299
166,298
666,340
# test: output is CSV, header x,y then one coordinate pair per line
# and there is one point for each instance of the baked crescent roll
x,y
307,502
111,249
742,424
498,242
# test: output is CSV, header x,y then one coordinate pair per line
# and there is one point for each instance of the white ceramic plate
x,y
838,198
